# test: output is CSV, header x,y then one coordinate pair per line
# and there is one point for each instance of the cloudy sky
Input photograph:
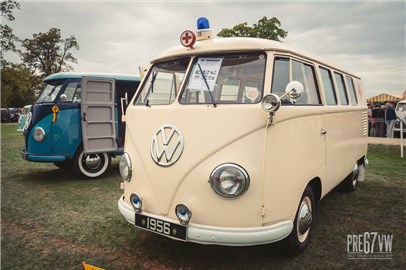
x,y
365,37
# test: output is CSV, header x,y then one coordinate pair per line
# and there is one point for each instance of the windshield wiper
x,y
207,85
154,74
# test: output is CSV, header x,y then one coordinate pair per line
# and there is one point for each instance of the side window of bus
x,y
300,72
164,89
305,74
351,88
280,76
341,88
331,98
72,92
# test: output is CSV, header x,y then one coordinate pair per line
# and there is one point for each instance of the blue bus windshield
x,y
50,92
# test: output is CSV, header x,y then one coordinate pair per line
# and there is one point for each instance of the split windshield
x,y
212,79
51,90
163,83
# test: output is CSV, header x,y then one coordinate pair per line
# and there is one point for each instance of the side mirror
x,y
63,98
271,103
294,90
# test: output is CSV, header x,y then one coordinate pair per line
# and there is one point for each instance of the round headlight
x,y
125,167
229,180
39,134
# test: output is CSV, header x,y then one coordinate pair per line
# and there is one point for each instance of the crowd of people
x,y
381,119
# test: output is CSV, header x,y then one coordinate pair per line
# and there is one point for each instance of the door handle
x,y
323,131
84,117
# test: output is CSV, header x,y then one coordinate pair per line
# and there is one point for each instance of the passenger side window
x,y
328,85
72,92
341,88
351,88
281,76
302,73
305,74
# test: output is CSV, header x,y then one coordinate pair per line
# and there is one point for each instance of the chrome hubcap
x,y
92,161
304,219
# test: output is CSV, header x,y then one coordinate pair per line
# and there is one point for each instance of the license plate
x,y
162,227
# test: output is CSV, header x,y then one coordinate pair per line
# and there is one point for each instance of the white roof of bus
x,y
238,44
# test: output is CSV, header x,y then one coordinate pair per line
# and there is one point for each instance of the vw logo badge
x,y
167,145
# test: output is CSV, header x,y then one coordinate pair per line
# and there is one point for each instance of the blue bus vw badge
x,y
167,145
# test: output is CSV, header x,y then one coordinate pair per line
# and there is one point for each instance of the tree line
x,y
43,54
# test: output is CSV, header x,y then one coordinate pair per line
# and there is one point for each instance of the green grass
x,y
53,220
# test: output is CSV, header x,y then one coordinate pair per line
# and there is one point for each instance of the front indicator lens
x,y
136,202
39,134
229,180
125,167
183,213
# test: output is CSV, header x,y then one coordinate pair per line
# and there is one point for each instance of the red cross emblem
x,y
188,38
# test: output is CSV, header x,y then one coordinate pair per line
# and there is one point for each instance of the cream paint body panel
x,y
295,153
212,136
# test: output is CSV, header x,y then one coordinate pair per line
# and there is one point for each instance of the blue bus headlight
x,y
229,180
125,167
39,134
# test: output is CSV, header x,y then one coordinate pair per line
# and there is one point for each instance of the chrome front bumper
x,y
227,236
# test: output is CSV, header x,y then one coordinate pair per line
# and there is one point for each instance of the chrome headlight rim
x,y
125,167
39,134
221,168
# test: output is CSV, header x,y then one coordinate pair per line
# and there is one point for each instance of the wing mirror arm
x,y
272,102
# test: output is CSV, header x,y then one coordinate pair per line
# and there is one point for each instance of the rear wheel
x,y
90,165
350,183
299,238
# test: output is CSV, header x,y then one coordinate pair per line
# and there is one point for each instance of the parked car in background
x,y
23,117
401,115
14,114
5,115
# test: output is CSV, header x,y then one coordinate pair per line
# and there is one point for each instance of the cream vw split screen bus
x,y
232,141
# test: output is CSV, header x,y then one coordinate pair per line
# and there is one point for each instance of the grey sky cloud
x,y
365,37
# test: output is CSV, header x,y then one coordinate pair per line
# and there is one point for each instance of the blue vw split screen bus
x,y
76,121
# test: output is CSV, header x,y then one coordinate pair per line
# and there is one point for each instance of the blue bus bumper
x,y
42,158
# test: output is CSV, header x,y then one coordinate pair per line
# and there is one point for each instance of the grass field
x,y
50,219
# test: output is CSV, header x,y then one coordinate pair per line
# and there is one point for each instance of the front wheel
x,y
299,238
90,165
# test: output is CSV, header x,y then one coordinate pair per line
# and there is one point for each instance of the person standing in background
x,y
379,121
390,117
371,121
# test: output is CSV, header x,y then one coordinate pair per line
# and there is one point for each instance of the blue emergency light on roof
x,y
203,23
203,29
